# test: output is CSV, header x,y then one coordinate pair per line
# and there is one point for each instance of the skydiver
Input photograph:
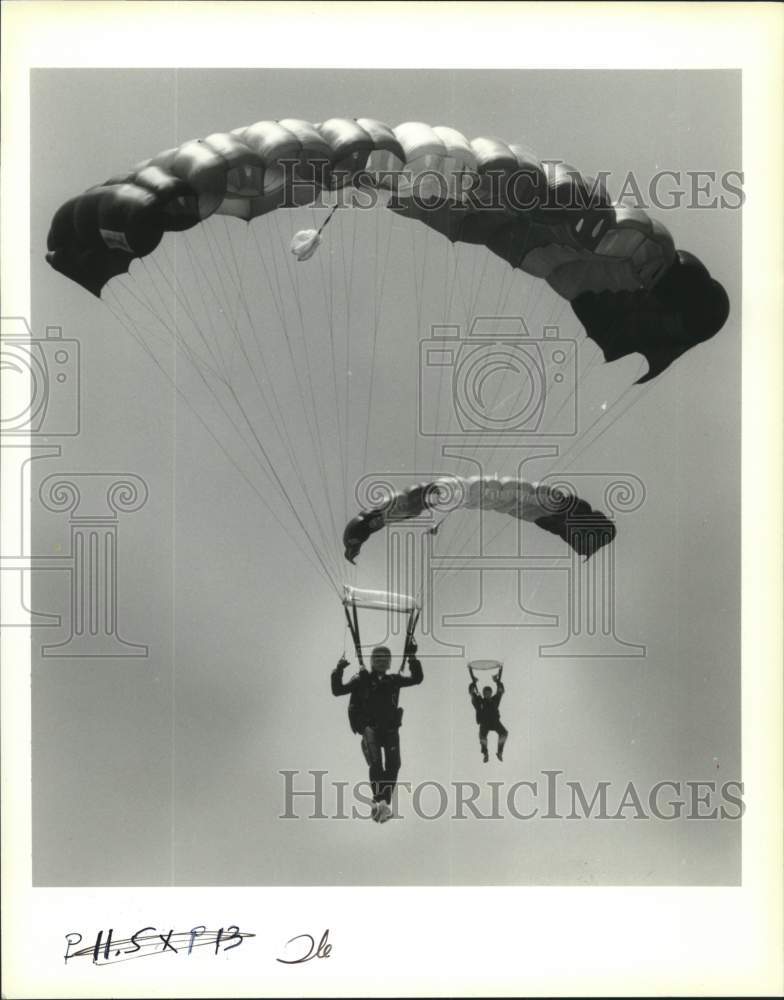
x,y
487,712
375,716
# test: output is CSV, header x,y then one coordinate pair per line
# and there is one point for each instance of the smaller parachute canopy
x,y
554,510
379,600
484,665
305,243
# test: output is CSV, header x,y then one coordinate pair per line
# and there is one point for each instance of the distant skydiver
x,y
375,716
488,717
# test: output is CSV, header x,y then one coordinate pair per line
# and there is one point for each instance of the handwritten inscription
x,y
303,948
107,950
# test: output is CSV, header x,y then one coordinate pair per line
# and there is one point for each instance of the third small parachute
x,y
564,514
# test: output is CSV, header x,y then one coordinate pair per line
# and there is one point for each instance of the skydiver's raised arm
x,y
336,679
416,675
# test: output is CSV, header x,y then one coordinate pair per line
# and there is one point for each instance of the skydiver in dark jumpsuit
x,y
487,713
375,716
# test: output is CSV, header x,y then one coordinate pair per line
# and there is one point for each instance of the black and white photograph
x,y
391,452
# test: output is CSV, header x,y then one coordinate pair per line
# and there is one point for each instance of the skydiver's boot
x,y
501,742
384,812
375,809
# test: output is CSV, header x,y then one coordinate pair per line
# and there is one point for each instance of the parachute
x,y
566,515
494,665
305,243
287,410
627,284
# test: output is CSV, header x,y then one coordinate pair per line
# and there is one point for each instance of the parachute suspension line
x,y
555,315
215,339
120,313
206,283
463,283
348,279
236,277
419,284
346,371
318,416
225,274
228,281
181,303
311,414
327,291
342,431
435,458
470,460
294,277
378,299
259,449
349,273
281,424
276,288
475,284
467,281
152,331
275,415
581,445
218,367
552,417
259,452
239,270
145,301
479,283
554,318
501,301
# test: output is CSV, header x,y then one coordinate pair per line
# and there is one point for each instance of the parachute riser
x,y
353,627
413,619
379,601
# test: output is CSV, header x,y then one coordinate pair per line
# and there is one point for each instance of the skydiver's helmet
x,y
380,659
487,692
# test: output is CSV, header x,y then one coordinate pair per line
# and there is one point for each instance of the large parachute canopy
x,y
627,284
